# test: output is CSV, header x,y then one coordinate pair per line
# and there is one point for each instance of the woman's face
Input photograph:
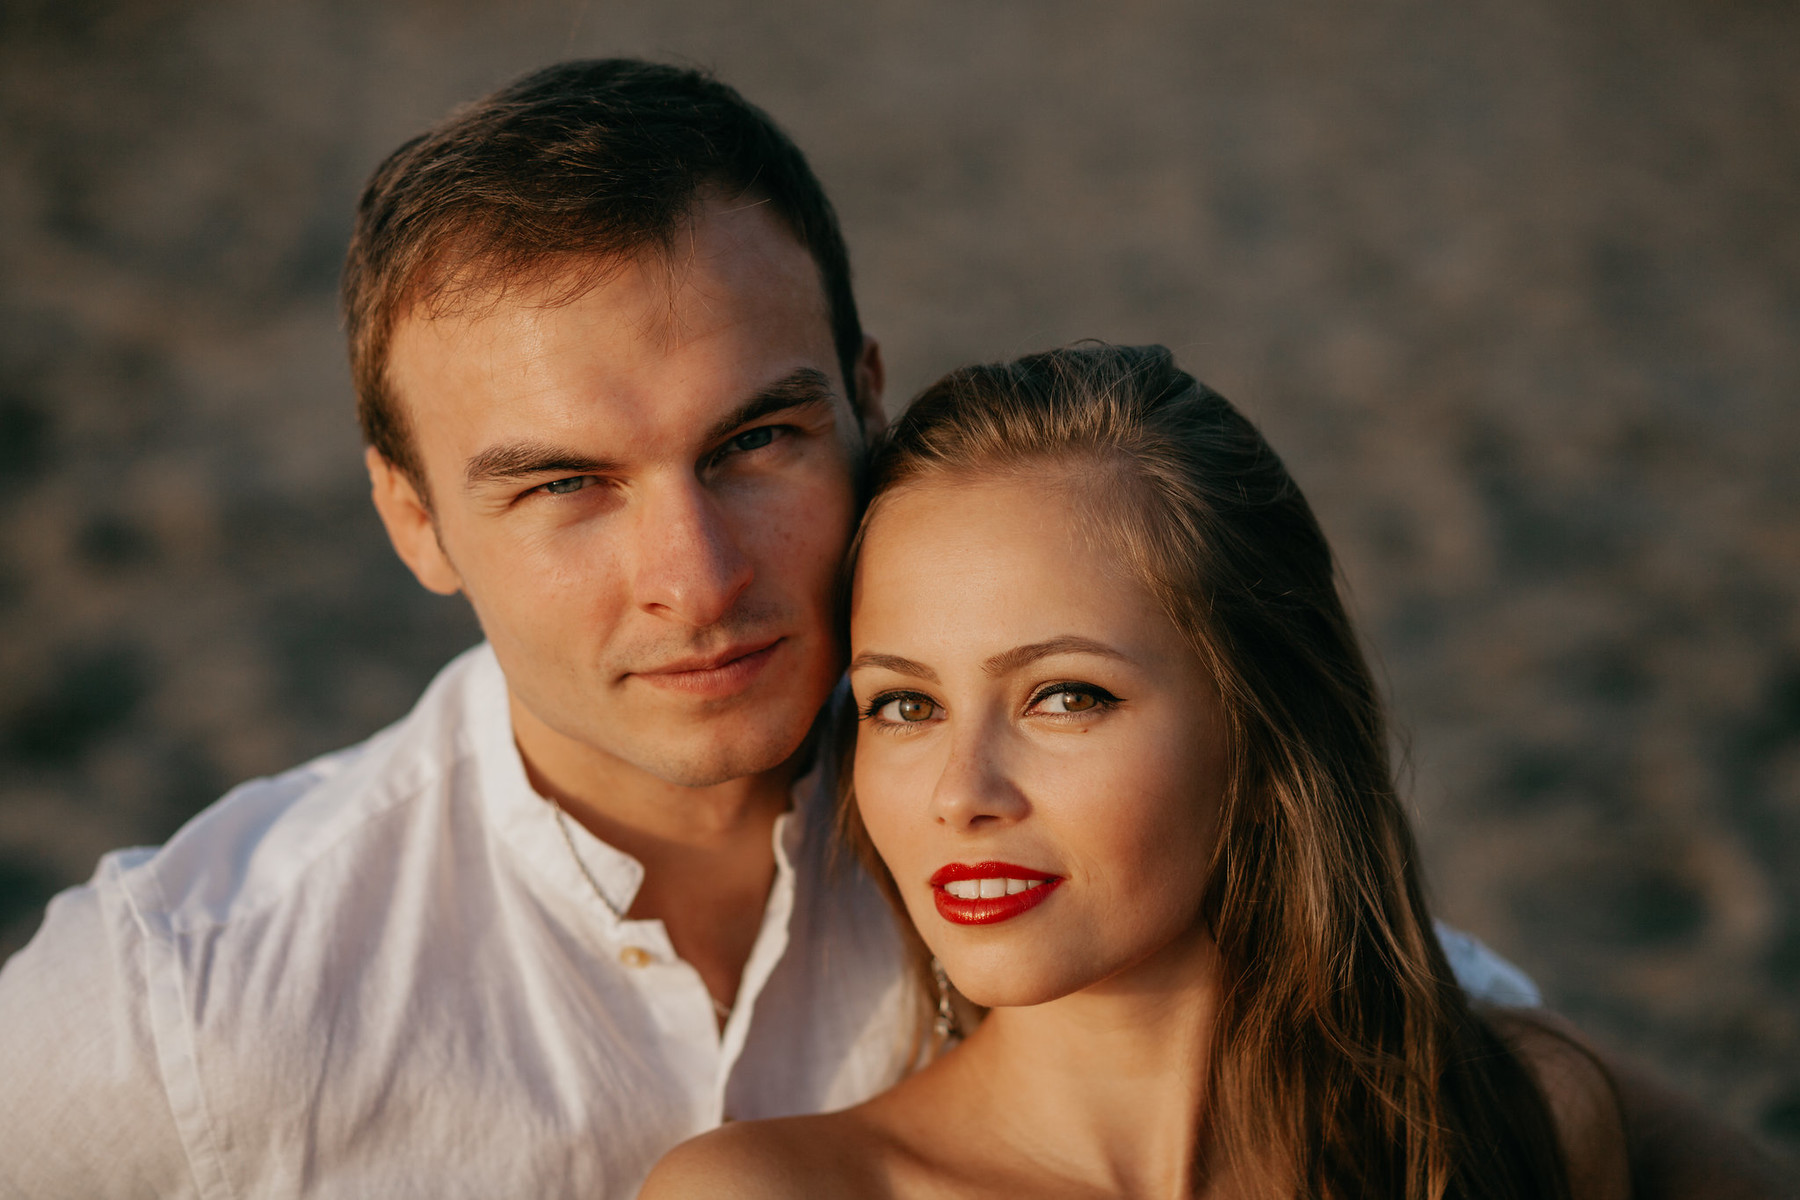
x,y
1041,756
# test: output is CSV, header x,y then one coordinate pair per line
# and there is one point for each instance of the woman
x,y
1126,771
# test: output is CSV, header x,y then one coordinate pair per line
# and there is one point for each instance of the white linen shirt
x,y
383,974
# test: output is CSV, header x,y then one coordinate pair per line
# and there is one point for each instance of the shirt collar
x,y
530,821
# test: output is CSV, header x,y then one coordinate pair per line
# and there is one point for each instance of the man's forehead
x,y
741,243
740,263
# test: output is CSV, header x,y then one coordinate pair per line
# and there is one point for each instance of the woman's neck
x,y
1106,1087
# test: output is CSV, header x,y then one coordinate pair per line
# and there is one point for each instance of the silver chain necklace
x,y
722,1010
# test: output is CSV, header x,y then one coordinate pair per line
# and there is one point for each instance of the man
x,y
561,916
581,903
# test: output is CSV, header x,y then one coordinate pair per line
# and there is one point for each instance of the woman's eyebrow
x,y
894,663
1019,656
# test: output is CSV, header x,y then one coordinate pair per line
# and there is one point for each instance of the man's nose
x,y
690,566
975,790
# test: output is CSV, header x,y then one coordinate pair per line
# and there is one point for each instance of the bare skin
x,y
903,1143
645,493
1097,762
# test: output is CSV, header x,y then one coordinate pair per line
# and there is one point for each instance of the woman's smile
x,y
990,892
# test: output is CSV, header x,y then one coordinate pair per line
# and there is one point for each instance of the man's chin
x,y
679,771
705,744
711,756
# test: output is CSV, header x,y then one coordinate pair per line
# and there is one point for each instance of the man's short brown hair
x,y
565,171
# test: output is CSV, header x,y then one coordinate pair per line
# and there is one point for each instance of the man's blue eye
x,y
562,487
754,439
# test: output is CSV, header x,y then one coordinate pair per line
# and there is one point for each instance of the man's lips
x,y
989,892
715,675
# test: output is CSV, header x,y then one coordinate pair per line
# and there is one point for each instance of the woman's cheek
x,y
1135,806
877,800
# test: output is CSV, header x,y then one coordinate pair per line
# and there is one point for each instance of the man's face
x,y
645,494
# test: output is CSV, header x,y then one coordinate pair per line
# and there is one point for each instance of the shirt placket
x,y
670,989
771,944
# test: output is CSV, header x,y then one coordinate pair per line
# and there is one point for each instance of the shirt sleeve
x,y
1484,975
83,1110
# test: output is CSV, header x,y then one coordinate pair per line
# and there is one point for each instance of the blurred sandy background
x,y
1513,284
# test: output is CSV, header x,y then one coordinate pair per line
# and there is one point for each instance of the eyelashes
x,y
745,442
1071,698
761,437
1089,697
900,700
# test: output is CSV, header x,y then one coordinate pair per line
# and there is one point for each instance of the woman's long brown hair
x,y
1346,1061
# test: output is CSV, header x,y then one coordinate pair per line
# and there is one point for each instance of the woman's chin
x,y
1012,989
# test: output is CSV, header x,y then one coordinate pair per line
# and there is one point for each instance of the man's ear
x,y
409,525
871,379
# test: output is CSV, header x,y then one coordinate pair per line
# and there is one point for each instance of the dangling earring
x,y
944,1028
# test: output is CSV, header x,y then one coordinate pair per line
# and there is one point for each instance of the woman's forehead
x,y
983,556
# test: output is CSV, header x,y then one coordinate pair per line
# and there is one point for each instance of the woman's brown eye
x,y
1065,701
912,708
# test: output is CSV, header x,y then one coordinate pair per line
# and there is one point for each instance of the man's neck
x,y
629,808
707,852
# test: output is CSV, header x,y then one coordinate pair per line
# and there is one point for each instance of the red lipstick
x,y
990,892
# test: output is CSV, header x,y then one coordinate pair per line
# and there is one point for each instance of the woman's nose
x,y
976,789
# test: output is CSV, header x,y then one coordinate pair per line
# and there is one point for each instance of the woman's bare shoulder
x,y
822,1157
1581,1096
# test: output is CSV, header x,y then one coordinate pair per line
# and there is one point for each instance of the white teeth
x,y
989,889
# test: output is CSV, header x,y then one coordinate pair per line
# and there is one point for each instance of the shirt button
x,y
635,956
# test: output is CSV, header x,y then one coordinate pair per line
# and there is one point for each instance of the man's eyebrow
x,y
518,460
1020,656
804,387
894,663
